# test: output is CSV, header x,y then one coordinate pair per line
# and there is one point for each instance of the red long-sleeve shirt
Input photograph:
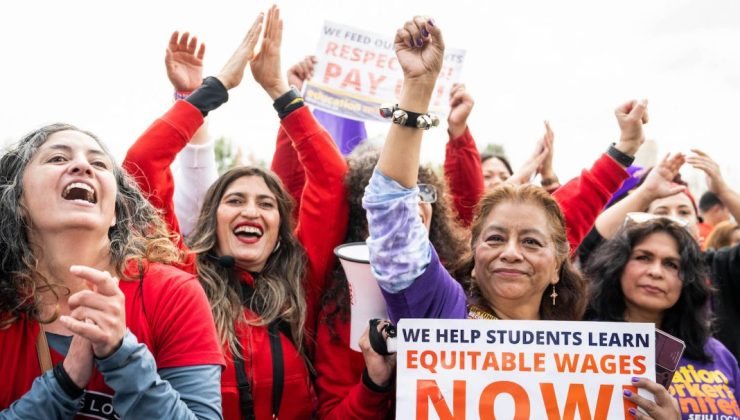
x,y
581,199
322,222
341,393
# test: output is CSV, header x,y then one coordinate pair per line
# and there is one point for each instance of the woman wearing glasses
x,y
652,271
659,195
341,393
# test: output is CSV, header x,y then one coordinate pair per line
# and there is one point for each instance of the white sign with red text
x,y
480,369
357,71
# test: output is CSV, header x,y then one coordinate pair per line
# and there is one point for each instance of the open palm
x,y
184,64
266,63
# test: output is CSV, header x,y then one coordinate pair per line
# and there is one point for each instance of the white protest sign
x,y
479,369
357,71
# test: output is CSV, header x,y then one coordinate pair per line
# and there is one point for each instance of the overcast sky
x,y
99,65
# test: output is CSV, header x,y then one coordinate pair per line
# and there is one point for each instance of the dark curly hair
x,y
448,238
689,318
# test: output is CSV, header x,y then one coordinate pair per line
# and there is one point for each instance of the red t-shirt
x,y
167,310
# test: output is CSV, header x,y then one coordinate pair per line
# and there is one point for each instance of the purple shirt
x,y
414,282
434,294
708,390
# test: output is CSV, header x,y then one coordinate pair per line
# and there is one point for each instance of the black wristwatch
x,y
287,102
622,158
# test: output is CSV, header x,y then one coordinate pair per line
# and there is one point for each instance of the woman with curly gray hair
x,y
71,223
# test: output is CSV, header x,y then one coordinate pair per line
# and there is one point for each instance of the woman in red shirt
x,y
263,273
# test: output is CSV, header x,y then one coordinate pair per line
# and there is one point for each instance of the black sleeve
x,y
209,96
724,266
589,245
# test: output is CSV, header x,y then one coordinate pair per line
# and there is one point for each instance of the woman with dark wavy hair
x,y
141,347
262,271
340,393
654,272
661,194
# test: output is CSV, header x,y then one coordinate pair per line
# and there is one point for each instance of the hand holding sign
x,y
664,407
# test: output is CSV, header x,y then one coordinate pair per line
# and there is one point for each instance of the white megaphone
x,y
366,299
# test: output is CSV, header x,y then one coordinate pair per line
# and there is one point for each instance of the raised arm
x,y
584,198
285,161
462,164
195,167
323,213
402,259
715,181
149,159
549,180
657,184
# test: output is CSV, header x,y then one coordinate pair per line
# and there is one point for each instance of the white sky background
x,y
99,65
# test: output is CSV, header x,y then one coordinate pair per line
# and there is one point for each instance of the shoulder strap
x,y
278,368
276,351
42,349
246,401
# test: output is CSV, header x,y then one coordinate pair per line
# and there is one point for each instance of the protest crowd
x,y
150,290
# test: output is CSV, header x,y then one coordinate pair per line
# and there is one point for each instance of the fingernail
x,y
424,32
635,379
418,42
632,411
627,393
431,21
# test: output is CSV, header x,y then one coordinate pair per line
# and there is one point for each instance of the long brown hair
x,y
571,287
278,287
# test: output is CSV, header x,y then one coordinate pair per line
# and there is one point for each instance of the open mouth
x,y
80,191
248,232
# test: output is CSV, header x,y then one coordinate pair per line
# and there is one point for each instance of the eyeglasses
x,y
427,193
637,217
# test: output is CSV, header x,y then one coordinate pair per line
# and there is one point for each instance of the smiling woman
x,y
80,191
262,272
69,216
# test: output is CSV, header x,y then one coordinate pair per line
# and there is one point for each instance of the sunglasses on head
x,y
636,217
427,193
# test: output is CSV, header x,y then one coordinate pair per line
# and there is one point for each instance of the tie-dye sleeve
x,y
399,244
